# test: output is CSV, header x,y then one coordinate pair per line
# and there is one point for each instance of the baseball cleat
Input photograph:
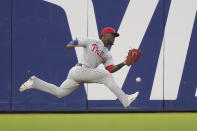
x,y
27,85
131,98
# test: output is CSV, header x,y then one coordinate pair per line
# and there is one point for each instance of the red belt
x,y
79,64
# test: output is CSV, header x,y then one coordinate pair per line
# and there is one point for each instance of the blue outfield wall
x,y
5,55
33,35
187,97
40,33
146,67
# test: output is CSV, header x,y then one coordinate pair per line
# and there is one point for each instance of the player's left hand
x,y
133,56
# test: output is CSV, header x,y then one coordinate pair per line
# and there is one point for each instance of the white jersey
x,y
95,53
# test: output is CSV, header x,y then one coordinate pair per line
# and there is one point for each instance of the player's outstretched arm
x,y
72,44
114,68
133,56
117,67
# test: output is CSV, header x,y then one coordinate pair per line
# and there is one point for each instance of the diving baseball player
x,y
95,52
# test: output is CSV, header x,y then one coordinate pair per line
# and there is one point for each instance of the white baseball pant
x,y
77,76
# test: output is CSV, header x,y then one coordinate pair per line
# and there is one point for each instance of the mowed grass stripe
x,y
99,122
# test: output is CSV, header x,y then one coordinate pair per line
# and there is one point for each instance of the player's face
x,y
109,38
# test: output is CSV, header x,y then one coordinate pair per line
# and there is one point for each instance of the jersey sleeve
x,y
109,61
83,42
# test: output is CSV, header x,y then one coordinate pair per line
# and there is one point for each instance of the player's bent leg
x,y
108,81
125,99
104,77
67,87
111,84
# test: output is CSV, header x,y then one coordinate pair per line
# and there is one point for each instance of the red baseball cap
x,y
109,30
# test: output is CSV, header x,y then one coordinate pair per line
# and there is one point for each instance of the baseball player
x,y
95,52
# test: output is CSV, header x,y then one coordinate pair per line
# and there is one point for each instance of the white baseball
x,y
138,79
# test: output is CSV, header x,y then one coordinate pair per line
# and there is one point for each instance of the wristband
x,y
74,42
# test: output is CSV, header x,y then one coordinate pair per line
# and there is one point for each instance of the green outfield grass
x,y
99,122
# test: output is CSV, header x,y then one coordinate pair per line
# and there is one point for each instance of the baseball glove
x,y
133,56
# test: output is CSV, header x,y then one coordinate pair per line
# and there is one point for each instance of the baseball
x,y
138,79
